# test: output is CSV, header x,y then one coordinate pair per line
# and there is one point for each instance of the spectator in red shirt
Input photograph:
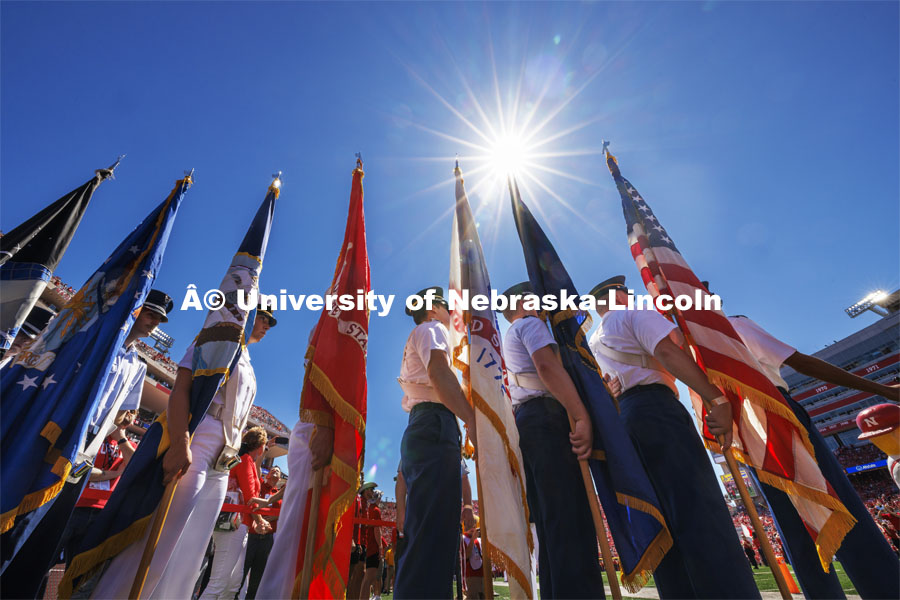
x,y
374,549
228,561
259,545
111,460
474,564
358,552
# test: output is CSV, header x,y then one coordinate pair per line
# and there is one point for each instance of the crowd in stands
x,y
885,510
263,417
873,484
159,357
65,290
850,456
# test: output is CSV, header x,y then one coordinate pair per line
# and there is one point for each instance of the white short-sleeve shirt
x,y
523,338
123,387
240,387
634,332
768,350
427,336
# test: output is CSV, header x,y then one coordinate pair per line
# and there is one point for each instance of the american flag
x,y
767,435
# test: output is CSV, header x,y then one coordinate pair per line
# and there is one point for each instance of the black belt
x,y
430,406
547,399
650,387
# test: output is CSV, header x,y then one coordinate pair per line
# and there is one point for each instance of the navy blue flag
x,y
31,252
50,390
217,349
632,509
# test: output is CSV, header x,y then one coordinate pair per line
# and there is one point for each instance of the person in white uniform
x,y
544,401
121,392
865,554
430,454
643,349
201,486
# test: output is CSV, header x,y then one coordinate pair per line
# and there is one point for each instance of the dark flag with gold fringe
x,y
51,388
217,350
629,501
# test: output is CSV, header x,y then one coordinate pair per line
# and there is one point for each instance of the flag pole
x,y
306,573
608,564
486,553
159,519
764,544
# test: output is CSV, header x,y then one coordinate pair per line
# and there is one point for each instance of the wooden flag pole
x,y
757,525
608,564
485,542
306,573
159,519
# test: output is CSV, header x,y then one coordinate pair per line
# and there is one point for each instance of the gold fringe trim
x,y
499,557
344,471
87,563
643,506
831,536
210,372
343,408
248,255
317,417
37,499
337,509
765,400
513,460
840,522
51,432
598,455
641,574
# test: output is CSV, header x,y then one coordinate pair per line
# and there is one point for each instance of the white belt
x,y
635,360
215,411
419,391
527,379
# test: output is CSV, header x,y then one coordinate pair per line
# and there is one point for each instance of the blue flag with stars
x,y
49,391
217,349
629,501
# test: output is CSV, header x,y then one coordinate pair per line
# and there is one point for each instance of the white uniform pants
x,y
182,543
278,578
228,564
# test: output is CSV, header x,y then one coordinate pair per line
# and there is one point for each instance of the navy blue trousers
x,y
567,542
430,457
706,559
865,554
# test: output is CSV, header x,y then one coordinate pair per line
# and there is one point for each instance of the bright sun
x,y
508,155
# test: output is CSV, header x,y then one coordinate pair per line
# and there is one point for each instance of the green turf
x,y
763,576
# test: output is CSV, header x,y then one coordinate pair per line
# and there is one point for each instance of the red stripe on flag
x,y
779,443
712,320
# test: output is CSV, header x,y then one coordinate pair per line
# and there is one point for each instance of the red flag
x,y
334,395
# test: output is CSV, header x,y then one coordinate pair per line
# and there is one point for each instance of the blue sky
x,y
763,135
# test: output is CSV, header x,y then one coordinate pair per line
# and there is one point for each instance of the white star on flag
x,y
48,382
134,249
667,239
147,274
27,382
